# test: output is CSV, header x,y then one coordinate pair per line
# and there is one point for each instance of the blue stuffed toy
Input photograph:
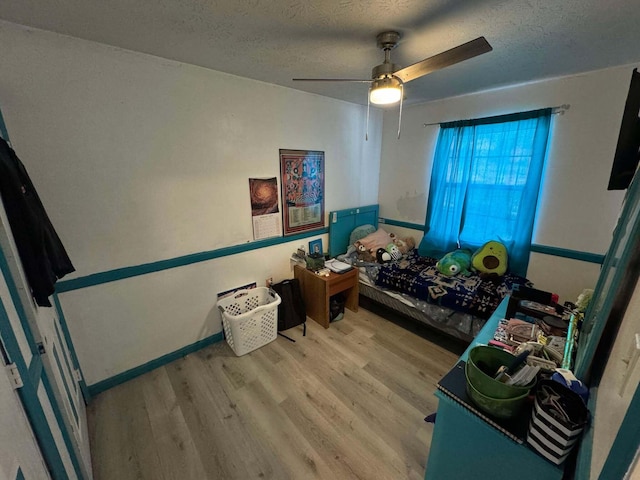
x,y
456,262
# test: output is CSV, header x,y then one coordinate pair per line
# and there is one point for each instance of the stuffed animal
x,y
583,300
490,259
382,256
404,245
393,250
363,254
454,263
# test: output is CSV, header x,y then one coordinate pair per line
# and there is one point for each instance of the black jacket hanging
x,y
43,256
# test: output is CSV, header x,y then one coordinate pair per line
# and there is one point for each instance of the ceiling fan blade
x,y
330,80
445,59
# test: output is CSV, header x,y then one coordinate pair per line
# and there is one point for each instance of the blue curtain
x,y
484,185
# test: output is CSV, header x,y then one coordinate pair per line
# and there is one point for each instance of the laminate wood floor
x,y
344,403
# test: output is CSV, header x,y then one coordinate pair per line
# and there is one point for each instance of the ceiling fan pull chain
x,y
400,115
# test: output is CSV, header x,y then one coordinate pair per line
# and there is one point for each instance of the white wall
x,y
576,211
139,159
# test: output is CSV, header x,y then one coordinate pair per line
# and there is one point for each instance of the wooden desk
x,y
317,290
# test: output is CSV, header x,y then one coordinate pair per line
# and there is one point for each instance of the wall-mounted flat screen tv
x,y
625,161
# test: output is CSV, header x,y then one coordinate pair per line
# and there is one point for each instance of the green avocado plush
x,y
490,259
454,263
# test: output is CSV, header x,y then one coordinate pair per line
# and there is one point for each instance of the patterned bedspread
x,y
418,277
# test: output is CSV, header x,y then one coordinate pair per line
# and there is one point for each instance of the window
x,y
485,183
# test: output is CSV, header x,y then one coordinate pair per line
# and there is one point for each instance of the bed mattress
x,y
457,324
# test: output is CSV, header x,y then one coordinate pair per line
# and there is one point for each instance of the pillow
x,y
361,232
378,239
491,258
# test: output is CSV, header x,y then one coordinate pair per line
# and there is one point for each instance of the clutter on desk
x,y
541,328
541,355
298,258
315,261
311,261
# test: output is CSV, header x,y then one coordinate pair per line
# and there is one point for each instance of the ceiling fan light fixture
x,y
385,91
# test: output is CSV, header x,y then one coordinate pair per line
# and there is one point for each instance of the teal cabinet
x,y
466,447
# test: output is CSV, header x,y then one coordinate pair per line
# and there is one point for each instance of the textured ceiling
x,y
277,40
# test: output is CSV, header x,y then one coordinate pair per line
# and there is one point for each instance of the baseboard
x,y
111,382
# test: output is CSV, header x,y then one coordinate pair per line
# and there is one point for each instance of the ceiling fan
x,y
387,79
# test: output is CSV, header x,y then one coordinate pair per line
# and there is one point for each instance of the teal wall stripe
x,y
72,350
29,396
19,474
63,426
146,268
572,254
111,382
128,272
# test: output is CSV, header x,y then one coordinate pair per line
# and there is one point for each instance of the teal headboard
x,y
342,223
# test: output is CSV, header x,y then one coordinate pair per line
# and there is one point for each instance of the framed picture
x,y
302,181
315,246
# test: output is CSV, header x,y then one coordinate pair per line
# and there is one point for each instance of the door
x,y
54,377
608,352
20,452
67,377
23,365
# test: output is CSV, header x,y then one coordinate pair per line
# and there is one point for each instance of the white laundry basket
x,y
250,318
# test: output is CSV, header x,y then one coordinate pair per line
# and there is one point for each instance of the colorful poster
x,y
302,181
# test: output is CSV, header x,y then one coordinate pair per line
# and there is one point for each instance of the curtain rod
x,y
557,110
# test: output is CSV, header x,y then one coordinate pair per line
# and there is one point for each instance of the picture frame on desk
x,y
315,246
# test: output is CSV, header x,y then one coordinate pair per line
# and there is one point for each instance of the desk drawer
x,y
341,282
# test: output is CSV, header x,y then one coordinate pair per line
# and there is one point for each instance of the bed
x,y
413,287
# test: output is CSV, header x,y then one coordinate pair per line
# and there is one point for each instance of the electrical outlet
x,y
269,281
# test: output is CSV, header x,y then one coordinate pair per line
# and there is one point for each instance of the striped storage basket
x,y
558,418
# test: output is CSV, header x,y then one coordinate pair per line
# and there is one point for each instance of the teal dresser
x,y
465,446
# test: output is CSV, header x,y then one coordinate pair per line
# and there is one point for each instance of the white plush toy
x,y
583,300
